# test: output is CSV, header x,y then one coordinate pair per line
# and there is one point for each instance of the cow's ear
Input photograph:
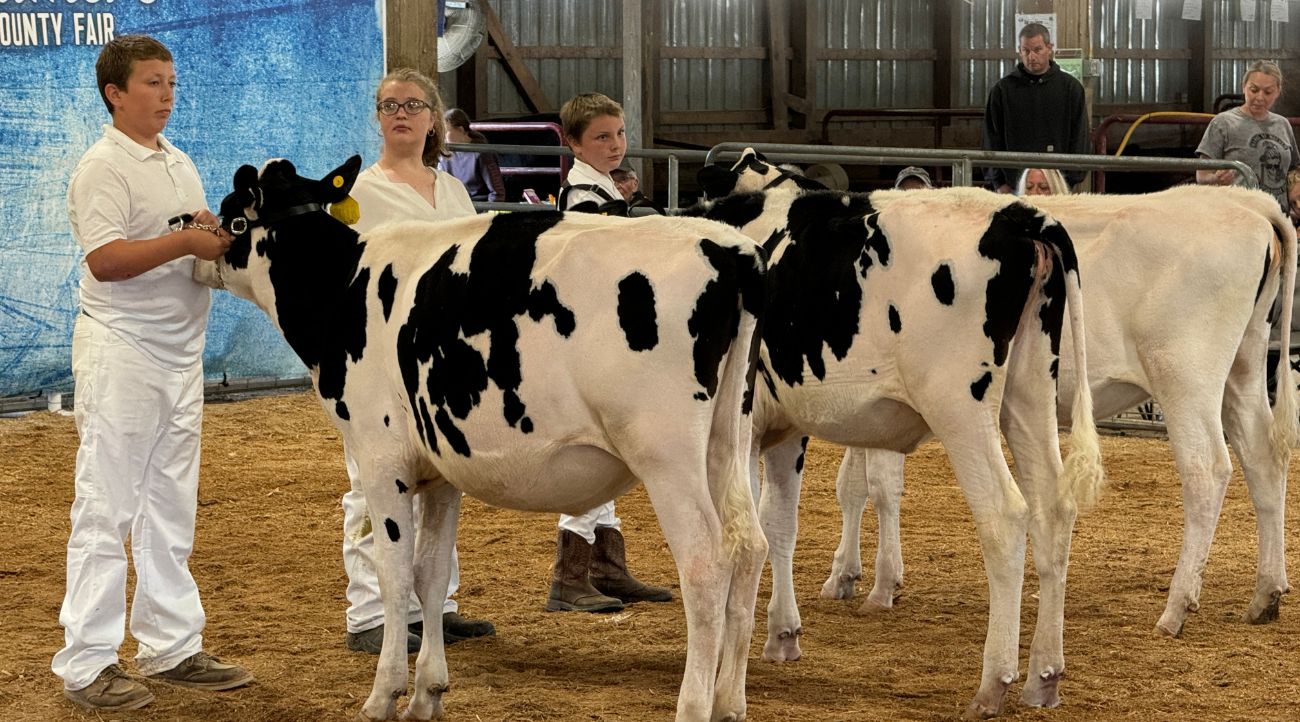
x,y
335,186
717,181
750,154
246,184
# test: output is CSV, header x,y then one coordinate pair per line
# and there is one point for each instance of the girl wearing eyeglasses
x,y
404,185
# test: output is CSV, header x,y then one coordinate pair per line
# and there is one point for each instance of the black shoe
x,y
456,628
372,640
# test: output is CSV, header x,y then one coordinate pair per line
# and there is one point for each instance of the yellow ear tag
x,y
346,210
337,181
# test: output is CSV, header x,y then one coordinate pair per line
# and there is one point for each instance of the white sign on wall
x,y
1278,11
1191,9
1247,11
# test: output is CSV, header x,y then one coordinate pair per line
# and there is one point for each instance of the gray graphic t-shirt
x,y
1268,146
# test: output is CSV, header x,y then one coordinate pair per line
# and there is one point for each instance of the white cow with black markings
x,y
885,326
538,361
1181,284
1180,287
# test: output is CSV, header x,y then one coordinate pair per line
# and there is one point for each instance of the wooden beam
x,y
875,54
632,115
944,40
650,46
779,65
411,35
698,52
514,66
714,117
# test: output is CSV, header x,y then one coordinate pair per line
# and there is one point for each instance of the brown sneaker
x,y
203,671
112,690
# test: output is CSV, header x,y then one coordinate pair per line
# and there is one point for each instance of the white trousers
x,y
365,605
137,475
585,524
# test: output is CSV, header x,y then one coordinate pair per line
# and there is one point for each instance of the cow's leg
x,y
779,510
1248,421
748,550
391,517
438,512
1201,456
1029,422
999,510
851,488
694,532
885,476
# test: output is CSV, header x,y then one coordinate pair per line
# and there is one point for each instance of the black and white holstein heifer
x,y
1180,288
537,361
886,326
1181,285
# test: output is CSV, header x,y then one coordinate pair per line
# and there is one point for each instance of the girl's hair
x,y
1267,67
118,56
434,143
578,112
1055,181
457,118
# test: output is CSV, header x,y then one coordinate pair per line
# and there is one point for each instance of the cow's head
x,y
259,203
751,172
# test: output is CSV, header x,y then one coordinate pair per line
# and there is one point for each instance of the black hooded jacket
x,y
1035,114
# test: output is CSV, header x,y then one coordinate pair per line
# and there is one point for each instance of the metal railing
x,y
963,161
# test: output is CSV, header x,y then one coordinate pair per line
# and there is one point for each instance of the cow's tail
x,y
1285,431
1083,474
733,408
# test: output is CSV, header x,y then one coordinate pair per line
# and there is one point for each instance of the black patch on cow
x,y
736,211
341,409
895,321
401,488
1263,278
320,290
981,385
386,288
803,449
941,281
385,419
1056,364
873,372
1052,313
636,312
1009,240
393,532
715,320
816,287
451,307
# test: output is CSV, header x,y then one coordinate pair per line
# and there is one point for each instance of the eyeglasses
x,y
413,107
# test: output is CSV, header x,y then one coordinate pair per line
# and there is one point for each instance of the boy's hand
x,y
208,240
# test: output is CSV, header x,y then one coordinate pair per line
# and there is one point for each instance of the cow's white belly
x,y
527,477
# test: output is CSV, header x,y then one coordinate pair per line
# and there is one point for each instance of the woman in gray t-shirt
x,y
1253,134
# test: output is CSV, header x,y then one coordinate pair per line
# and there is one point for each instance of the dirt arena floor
x,y
268,563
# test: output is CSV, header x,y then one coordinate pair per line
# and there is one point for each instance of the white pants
x,y
365,605
137,474
585,524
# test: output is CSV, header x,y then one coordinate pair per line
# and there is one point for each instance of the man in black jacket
x,y
1037,108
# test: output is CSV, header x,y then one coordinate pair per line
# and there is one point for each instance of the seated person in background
x,y
1042,182
912,178
478,171
626,182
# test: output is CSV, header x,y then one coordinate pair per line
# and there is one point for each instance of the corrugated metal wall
x,y
987,27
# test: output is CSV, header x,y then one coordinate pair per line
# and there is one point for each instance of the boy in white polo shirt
x,y
136,207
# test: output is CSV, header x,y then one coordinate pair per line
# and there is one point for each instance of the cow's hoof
x,y
1042,689
783,648
1265,611
427,706
840,586
988,703
1169,627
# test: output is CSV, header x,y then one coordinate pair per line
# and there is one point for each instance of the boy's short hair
x,y
113,67
578,112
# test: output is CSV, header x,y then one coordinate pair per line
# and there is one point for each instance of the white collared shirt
x,y
123,190
583,174
383,200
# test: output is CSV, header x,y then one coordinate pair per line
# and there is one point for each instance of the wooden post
x,y
632,79
411,32
778,61
649,86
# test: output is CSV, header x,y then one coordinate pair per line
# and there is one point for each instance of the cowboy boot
x,y
570,589
608,571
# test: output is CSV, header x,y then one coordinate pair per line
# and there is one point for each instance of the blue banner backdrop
x,y
257,79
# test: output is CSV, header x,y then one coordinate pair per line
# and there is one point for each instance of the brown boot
x,y
570,590
608,571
